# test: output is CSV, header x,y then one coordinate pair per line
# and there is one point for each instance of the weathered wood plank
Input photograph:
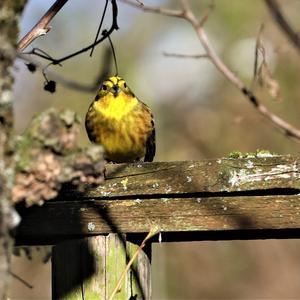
x,y
225,195
208,176
90,269
60,220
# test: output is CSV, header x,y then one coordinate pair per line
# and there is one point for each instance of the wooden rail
x,y
246,198
254,197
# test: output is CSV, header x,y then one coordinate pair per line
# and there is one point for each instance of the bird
x,y
121,123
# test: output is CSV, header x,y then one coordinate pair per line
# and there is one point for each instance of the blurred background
x,y
198,114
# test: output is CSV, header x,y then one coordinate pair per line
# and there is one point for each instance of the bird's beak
x,y
115,90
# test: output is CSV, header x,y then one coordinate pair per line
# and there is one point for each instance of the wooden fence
x,y
95,233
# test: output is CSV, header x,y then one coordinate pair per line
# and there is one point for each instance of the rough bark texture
x,y
34,167
9,12
48,157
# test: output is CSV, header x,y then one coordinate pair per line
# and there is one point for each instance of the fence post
x,y
90,269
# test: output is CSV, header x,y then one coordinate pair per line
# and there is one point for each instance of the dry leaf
x,y
262,72
266,79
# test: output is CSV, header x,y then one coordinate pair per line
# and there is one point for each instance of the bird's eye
x,y
104,87
125,85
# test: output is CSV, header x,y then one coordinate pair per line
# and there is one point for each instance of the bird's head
x,y
114,85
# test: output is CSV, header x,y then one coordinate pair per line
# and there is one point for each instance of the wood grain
x,y
212,199
90,269
60,220
208,176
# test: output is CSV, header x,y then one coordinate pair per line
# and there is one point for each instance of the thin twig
x,y
23,281
41,27
152,232
114,26
209,10
258,49
285,26
187,14
70,83
157,10
180,55
100,26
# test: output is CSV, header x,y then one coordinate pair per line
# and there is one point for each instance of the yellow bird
x,y
121,123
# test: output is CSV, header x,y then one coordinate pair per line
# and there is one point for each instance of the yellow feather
x,y
120,122
115,107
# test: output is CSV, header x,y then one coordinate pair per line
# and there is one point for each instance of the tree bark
x,y
9,13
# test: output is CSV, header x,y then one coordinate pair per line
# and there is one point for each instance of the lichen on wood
x,y
48,157
206,176
90,269
223,195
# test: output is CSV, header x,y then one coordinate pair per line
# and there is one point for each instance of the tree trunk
x,y
9,13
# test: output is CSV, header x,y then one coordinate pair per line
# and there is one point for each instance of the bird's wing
x,y
150,143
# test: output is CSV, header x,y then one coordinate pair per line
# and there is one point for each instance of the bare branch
x,y
285,26
41,27
157,10
100,26
207,13
185,5
70,83
23,281
179,55
114,26
57,77
188,15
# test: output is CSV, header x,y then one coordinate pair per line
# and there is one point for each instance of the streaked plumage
x,y
121,123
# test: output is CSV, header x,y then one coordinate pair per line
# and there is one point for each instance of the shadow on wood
x,y
246,198
90,269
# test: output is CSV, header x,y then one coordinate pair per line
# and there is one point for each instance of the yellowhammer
x,y
121,123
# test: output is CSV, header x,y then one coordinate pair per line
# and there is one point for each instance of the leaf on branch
x,y
266,79
262,72
48,157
